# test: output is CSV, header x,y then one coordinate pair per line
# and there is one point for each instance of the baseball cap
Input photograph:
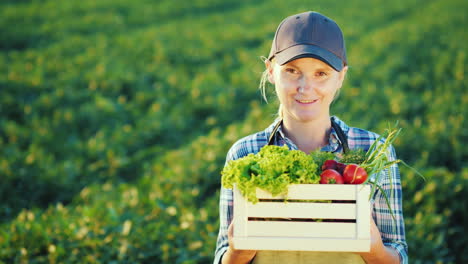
x,y
309,34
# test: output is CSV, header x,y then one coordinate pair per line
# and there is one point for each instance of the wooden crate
x,y
273,224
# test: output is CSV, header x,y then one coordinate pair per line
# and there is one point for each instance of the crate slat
x,y
303,244
314,192
302,210
301,229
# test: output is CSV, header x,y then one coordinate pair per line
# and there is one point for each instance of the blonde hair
x,y
263,81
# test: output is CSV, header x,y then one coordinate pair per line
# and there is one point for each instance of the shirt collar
x,y
334,143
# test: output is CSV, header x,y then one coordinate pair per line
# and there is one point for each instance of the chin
x,y
307,118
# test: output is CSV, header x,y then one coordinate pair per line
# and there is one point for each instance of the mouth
x,y
306,101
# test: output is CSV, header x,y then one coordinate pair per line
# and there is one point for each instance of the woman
x,y
307,64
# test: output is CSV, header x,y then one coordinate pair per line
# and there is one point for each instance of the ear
x,y
269,68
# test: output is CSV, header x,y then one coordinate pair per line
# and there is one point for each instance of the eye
x,y
321,73
291,70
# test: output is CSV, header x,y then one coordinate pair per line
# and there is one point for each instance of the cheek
x,y
284,89
329,88
326,90
280,92
287,84
284,86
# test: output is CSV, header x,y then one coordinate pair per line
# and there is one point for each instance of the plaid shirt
x,y
392,232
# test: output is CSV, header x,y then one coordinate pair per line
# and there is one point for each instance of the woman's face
x,y
305,87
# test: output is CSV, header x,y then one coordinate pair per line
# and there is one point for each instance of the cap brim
x,y
312,51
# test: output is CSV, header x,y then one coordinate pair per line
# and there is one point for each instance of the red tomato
x,y
329,164
331,176
354,174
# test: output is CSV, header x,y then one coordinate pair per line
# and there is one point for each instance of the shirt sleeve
x,y
225,218
225,214
391,227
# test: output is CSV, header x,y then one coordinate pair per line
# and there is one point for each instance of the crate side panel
x,y
240,212
363,212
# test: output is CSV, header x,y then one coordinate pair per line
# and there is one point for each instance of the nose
x,y
305,85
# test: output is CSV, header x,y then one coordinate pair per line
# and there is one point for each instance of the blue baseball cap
x,y
309,34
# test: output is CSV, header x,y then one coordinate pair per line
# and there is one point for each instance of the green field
x,y
116,117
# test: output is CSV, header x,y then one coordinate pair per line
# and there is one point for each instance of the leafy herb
x,y
377,160
356,156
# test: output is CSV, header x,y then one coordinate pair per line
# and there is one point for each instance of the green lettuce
x,y
272,169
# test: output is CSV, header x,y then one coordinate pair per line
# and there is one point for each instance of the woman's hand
x,y
379,253
233,255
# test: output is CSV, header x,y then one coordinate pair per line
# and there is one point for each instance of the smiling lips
x,y
306,101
